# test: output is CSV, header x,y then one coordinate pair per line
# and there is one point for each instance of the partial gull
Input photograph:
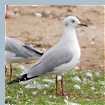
x,y
18,52
59,59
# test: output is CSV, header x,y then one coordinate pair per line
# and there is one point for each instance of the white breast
x,y
66,67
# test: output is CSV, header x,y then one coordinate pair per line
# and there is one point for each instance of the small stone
x,y
92,42
77,87
97,74
59,77
77,79
92,88
89,75
37,14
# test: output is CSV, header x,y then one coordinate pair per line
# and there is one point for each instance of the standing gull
x,y
59,59
17,52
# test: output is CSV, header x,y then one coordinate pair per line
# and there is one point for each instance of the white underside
x,y
66,67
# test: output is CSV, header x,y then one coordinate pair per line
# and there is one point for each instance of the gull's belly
x,y
66,67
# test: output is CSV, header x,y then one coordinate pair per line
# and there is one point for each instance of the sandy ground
x,y
42,27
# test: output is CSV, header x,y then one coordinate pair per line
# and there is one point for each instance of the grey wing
x,y
28,51
14,46
20,49
56,57
50,60
11,44
33,50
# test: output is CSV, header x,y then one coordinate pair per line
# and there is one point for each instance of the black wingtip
x,y
19,79
12,82
34,50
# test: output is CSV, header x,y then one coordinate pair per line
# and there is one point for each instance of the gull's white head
x,y
72,21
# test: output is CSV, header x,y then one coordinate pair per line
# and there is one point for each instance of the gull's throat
x,y
70,35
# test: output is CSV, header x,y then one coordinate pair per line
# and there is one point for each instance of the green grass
x,y
91,90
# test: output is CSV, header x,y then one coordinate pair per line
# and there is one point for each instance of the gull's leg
x,y
63,93
62,85
5,70
60,78
56,85
10,72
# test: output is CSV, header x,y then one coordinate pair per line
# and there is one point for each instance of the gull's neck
x,y
69,36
